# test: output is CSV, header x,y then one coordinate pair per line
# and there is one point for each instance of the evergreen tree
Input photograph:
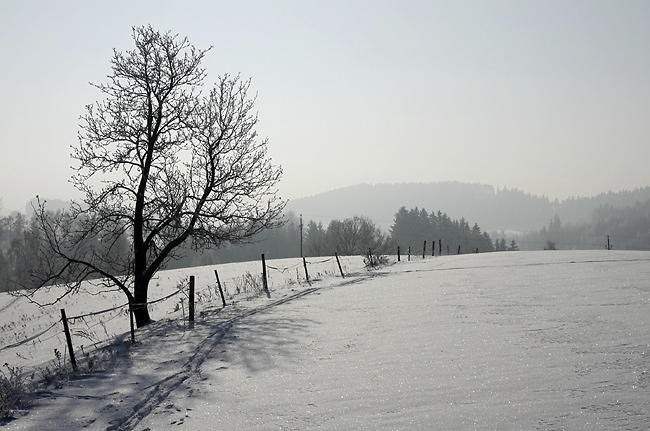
x,y
411,228
315,239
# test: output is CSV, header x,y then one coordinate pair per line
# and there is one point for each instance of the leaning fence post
x,y
339,263
191,299
304,263
223,298
458,250
266,284
68,338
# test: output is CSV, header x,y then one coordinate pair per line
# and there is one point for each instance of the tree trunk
x,y
140,310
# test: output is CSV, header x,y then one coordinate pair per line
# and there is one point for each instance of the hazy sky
x,y
552,97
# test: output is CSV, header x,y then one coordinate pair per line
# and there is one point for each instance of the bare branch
x,y
176,165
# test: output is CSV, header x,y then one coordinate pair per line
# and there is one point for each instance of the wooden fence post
x,y
409,253
68,338
433,248
398,256
264,280
304,263
339,263
458,250
223,298
424,248
609,247
439,247
191,299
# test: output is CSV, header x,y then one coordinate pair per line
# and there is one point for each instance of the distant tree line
x,y
278,243
351,236
494,208
14,240
628,228
412,227
357,235
20,241
24,254
500,245
23,251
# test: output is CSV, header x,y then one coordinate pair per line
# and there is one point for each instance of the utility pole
x,y
301,236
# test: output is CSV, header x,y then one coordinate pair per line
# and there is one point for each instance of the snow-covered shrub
x,y
249,284
14,390
373,261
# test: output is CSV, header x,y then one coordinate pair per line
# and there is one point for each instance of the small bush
x,y
249,284
14,390
373,261
550,245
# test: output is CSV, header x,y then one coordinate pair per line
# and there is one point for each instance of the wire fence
x,y
27,340
299,264
103,325
96,327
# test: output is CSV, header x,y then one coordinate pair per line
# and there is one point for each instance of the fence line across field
x,y
91,334
284,269
82,317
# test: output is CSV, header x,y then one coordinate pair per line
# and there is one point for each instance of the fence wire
x,y
33,337
88,328
82,317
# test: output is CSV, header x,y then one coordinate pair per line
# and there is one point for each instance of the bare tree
x,y
354,236
175,164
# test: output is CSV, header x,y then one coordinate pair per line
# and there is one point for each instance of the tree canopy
x,y
162,161
412,227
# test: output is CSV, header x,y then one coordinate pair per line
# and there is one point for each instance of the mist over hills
x,y
535,222
493,209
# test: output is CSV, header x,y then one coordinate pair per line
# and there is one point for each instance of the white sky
x,y
552,97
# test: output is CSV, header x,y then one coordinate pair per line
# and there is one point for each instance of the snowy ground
x,y
518,340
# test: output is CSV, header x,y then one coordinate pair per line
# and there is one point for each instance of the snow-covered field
x,y
554,340
24,318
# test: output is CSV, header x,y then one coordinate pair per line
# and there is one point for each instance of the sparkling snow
x,y
512,340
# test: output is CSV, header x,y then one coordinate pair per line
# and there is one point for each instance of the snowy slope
x,y
25,318
517,340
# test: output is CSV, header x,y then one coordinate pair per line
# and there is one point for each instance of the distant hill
x,y
492,209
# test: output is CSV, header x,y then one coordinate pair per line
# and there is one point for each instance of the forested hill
x,y
493,209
